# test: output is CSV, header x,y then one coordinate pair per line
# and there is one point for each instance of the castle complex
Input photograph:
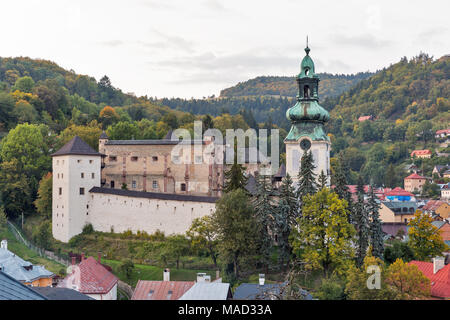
x,y
137,184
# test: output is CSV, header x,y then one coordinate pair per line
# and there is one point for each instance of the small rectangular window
x,y
134,158
90,161
112,158
82,175
79,160
155,184
92,175
133,184
81,191
155,158
183,187
112,184
60,191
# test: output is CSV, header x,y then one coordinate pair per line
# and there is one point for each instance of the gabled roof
x,y
76,146
208,291
11,289
254,291
432,205
447,131
90,277
160,290
21,270
440,281
281,173
415,176
52,293
399,192
364,118
420,152
104,135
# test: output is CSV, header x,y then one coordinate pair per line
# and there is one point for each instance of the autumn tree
x,y
89,134
324,236
43,202
406,282
236,227
108,116
203,236
424,238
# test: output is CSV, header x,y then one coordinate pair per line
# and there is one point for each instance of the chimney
x,y
201,277
166,274
99,257
438,264
73,260
82,256
217,274
4,244
262,279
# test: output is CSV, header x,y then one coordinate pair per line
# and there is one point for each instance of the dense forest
x,y
330,85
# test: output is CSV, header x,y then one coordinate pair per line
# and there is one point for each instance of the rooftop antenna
x,y
307,41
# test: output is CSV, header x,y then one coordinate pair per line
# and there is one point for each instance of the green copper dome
x,y
307,115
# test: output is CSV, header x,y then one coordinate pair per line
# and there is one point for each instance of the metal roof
x,y
254,291
152,142
208,291
20,269
76,146
153,195
52,293
11,289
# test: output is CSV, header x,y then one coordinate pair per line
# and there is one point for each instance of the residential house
x,y
399,194
414,182
91,278
412,168
11,289
446,174
160,290
442,133
421,153
397,211
23,271
445,192
53,293
439,170
444,230
263,291
437,207
439,275
208,291
365,118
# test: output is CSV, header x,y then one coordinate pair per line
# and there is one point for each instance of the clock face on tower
x,y
305,144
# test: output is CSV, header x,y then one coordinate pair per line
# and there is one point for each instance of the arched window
x,y
306,71
306,91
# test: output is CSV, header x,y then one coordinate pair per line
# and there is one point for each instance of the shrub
x,y
88,229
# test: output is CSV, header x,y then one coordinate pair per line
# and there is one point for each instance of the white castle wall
x,y
124,213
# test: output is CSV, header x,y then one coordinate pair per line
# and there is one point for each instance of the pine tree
x,y
376,232
265,212
235,177
322,180
341,188
286,212
361,224
306,178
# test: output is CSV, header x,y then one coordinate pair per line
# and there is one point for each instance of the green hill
x,y
330,85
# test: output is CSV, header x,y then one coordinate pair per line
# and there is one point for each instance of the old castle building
x,y
144,185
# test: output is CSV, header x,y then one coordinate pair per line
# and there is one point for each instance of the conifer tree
x,y
306,178
341,188
376,232
322,180
361,223
235,177
265,212
286,212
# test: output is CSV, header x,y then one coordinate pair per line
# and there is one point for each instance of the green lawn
x,y
147,272
27,254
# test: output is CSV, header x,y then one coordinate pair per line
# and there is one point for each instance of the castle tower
x,y
308,118
101,142
76,169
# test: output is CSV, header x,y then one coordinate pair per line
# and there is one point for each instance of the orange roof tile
x,y
440,281
94,278
415,176
160,290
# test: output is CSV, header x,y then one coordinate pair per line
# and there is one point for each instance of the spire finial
x,y
307,48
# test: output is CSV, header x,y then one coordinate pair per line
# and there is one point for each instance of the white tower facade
x,y
307,132
76,169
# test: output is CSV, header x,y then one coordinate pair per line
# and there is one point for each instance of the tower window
x,y
82,175
82,191
90,161
183,187
306,71
60,191
155,158
155,184
92,175
79,160
134,158
306,91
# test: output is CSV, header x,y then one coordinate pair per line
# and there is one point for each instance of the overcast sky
x,y
180,48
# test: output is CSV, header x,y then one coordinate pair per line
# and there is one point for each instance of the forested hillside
x,y
330,85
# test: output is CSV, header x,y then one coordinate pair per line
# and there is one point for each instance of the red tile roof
x,y
364,118
415,176
432,205
159,290
440,281
94,278
447,131
420,152
399,192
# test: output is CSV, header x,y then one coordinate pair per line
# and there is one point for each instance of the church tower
x,y
76,169
308,118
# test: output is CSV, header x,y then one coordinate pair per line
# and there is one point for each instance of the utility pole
x,y
22,220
